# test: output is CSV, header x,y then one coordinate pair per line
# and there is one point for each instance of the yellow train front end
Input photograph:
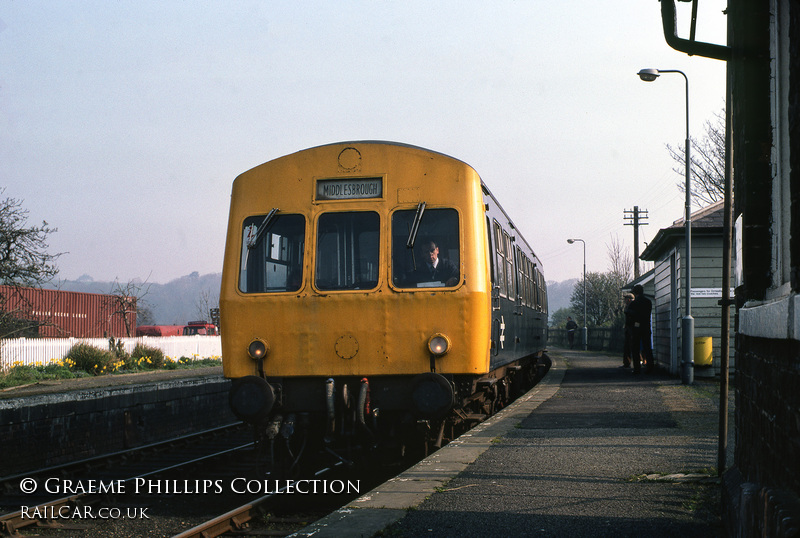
x,y
355,284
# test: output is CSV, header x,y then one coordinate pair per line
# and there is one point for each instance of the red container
x,y
63,314
159,330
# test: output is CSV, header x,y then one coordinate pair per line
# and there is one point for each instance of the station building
x,y
667,283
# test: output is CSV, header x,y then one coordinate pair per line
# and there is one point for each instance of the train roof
x,y
391,143
427,150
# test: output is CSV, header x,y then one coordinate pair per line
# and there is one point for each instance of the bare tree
x,y
707,174
123,301
620,259
24,260
205,302
144,314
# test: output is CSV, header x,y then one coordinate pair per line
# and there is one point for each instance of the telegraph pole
x,y
636,218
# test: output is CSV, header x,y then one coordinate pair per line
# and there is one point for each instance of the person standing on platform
x,y
640,343
571,328
627,351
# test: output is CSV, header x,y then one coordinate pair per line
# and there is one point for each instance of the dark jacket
x,y
641,308
445,270
630,316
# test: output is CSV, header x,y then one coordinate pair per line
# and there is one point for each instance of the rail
x,y
42,351
236,519
188,449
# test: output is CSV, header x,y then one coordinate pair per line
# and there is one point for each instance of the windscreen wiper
x,y
253,242
412,234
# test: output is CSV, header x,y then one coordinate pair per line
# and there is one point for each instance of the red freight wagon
x,y
159,330
200,327
62,314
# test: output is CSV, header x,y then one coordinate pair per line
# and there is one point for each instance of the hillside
x,y
174,303
189,297
559,293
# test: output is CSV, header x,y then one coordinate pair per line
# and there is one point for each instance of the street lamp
x,y
585,331
687,323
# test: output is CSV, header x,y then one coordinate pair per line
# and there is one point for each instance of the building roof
x,y
705,221
646,279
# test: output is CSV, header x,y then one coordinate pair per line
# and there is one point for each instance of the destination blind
x,y
349,189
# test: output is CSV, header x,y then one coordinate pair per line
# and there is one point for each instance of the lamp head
x,y
570,241
648,75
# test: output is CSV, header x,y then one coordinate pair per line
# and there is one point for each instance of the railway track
x,y
207,484
155,490
48,497
240,517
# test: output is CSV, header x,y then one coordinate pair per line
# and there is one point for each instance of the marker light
x,y
257,349
438,344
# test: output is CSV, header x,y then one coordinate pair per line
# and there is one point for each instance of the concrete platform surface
x,y
592,450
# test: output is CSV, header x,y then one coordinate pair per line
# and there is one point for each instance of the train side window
x,y
348,247
522,269
540,297
528,286
510,277
500,257
275,262
531,285
437,239
532,276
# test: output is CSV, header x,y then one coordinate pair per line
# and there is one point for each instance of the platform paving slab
x,y
593,450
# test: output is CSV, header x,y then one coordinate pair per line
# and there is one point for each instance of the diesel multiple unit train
x,y
375,294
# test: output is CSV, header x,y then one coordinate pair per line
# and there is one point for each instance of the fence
x,y
600,339
30,351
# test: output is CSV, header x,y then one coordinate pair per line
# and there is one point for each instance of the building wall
x,y
664,314
670,302
763,488
706,311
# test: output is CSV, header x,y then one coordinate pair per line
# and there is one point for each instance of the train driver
x,y
435,270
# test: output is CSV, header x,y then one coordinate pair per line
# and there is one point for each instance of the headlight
x,y
438,345
257,349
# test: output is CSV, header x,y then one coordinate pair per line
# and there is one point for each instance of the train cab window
x,y
347,251
272,259
434,260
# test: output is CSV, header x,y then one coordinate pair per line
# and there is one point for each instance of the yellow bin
x,y
703,350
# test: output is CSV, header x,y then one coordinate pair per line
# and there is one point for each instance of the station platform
x,y
54,422
592,450
72,387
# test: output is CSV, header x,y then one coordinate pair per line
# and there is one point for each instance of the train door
x,y
495,333
499,287
519,292
511,319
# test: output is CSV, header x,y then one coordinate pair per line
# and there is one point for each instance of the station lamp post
x,y
687,323
585,330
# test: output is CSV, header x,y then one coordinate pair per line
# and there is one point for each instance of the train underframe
x,y
388,418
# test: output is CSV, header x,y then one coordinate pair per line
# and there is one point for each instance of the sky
x,y
124,123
